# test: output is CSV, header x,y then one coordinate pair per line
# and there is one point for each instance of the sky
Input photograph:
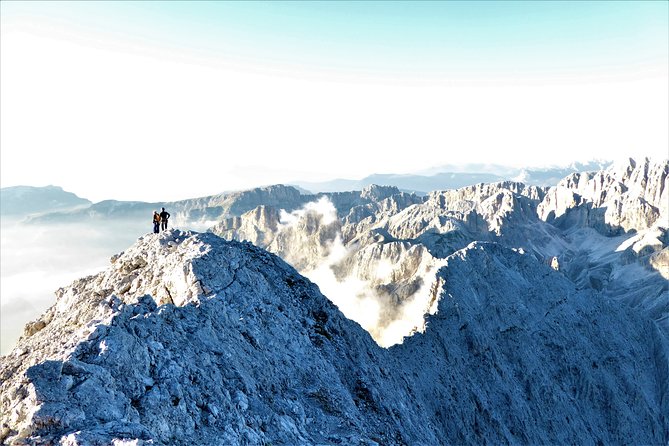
x,y
158,101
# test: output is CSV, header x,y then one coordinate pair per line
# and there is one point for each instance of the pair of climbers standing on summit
x,y
160,220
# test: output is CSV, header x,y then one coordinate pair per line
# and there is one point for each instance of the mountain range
x,y
52,204
605,230
496,313
21,201
188,338
456,176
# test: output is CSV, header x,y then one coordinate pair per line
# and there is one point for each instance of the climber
x,y
156,222
164,216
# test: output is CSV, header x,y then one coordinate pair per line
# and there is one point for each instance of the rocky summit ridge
x,y
187,338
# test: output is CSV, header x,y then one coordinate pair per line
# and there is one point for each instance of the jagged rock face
x,y
383,254
311,240
236,203
633,196
506,327
305,238
252,353
258,224
586,224
312,232
471,213
614,225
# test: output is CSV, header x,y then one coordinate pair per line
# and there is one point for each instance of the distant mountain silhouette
x,y
453,177
26,200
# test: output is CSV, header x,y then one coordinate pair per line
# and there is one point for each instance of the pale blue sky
x,y
425,38
236,94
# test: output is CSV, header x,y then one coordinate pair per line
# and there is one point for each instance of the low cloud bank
x,y
37,259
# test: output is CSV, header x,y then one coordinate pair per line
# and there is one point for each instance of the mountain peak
x,y
378,193
190,339
186,337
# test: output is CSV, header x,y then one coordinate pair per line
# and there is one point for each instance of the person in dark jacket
x,y
156,222
164,216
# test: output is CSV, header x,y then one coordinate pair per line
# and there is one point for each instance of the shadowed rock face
x,y
614,224
243,350
522,351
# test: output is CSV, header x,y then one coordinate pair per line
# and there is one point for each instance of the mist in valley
x,y
38,258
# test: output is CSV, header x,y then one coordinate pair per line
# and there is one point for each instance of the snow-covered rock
x,y
190,339
529,359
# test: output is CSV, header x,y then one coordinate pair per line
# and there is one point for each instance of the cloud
x,y
193,225
310,241
386,320
37,259
322,207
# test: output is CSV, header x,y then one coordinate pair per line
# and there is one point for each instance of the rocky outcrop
x,y
236,203
614,225
474,213
522,351
627,197
246,351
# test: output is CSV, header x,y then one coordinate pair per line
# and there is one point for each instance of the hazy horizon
x,y
429,171
179,99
